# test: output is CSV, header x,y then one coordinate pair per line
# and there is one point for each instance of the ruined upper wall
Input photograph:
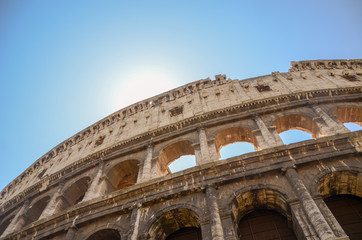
x,y
194,99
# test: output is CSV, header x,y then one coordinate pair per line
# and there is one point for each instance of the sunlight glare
x,y
142,83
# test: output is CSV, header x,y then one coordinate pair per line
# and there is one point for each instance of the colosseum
x,y
112,180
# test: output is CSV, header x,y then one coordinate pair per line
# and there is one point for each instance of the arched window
x,y
234,142
109,234
347,209
256,211
122,175
35,210
295,128
75,193
265,224
341,193
176,224
174,152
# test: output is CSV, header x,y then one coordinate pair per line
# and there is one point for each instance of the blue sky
x,y
66,64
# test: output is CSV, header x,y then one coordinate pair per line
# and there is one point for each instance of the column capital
x,y
285,169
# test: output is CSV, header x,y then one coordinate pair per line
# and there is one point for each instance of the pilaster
x,y
94,189
328,126
51,207
310,208
147,165
17,221
134,223
265,138
215,220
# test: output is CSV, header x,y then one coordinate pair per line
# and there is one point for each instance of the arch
x,y
75,192
265,224
342,193
233,135
173,152
35,210
296,121
172,221
109,234
347,209
259,198
340,182
122,175
349,115
88,232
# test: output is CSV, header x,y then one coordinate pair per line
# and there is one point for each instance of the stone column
x,y
330,126
212,150
147,165
198,155
18,221
93,190
204,147
309,206
134,223
140,172
268,139
51,207
215,220
228,226
332,221
71,233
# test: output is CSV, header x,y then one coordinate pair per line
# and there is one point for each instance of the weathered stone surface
x,y
112,181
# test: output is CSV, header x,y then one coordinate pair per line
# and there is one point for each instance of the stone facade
x,y
112,181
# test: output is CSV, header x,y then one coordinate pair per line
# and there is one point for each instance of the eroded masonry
x,y
112,180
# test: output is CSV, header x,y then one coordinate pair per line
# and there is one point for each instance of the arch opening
x,y
182,163
293,136
174,152
122,175
259,199
35,210
75,193
295,128
109,234
264,224
175,225
186,234
234,142
347,209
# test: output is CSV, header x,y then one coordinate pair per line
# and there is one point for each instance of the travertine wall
x,y
114,174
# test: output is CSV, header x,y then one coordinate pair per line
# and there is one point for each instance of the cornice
x,y
326,64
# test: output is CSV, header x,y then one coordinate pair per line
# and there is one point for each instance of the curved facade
x,y
112,180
